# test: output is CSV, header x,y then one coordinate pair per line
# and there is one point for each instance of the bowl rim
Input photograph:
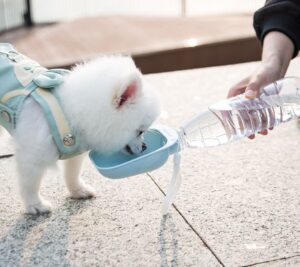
x,y
163,130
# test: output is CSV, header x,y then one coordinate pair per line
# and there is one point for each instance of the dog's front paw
x,y
39,208
84,191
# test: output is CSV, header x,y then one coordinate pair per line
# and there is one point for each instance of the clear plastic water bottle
x,y
239,117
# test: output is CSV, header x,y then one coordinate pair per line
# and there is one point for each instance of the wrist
x,y
274,67
277,52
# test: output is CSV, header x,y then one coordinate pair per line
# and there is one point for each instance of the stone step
x,y
156,43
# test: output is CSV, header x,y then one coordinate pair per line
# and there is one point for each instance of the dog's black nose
x,y
128,150
144,147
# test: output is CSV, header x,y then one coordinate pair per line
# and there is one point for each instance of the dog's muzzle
x,y
129,150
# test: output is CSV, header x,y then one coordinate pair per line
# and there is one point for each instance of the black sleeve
x,y
279,15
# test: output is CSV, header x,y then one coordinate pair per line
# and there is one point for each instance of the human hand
x,y
252,85
277,53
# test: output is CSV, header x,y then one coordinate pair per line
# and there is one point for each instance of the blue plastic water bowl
x,y
161,142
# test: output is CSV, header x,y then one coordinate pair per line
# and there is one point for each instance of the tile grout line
x,y
189,224
263,262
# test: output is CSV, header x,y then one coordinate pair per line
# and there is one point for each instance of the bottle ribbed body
x,y
238,117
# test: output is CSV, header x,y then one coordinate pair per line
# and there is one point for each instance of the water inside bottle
x,y
228,120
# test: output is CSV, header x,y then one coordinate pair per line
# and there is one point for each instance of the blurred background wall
x,y
11,13
47,11
160,35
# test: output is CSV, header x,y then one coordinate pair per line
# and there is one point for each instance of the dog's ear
x,y
129,89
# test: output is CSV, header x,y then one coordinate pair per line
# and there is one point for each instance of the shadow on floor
x,y
53,243
168,242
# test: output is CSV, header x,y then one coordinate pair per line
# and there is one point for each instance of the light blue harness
x,y
20,78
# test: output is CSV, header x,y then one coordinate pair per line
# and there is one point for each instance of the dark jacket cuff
x,y
283,23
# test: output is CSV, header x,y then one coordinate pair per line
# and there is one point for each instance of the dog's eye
x,y
140,133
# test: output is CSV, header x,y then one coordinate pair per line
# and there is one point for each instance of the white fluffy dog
x,y
108,105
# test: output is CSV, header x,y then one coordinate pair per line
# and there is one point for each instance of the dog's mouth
x,y
136,150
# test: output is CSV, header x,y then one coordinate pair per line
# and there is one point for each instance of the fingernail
x,y
251,136
250,94
263,132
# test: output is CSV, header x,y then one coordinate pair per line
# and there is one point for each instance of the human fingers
x,y
263,132
238,88
264,76
252,90
252,136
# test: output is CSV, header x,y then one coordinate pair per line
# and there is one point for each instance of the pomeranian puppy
x,y
109,107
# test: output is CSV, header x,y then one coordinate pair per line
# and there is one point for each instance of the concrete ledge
x,y
156,43
211,54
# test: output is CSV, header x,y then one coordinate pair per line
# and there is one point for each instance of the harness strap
x,y
57,113
12,94
10,113
60,129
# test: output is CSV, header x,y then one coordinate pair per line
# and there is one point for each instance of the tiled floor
x,y
238,205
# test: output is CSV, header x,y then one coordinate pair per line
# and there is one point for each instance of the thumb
x,y
252,90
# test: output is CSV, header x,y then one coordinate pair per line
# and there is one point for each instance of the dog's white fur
x,y
90,98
